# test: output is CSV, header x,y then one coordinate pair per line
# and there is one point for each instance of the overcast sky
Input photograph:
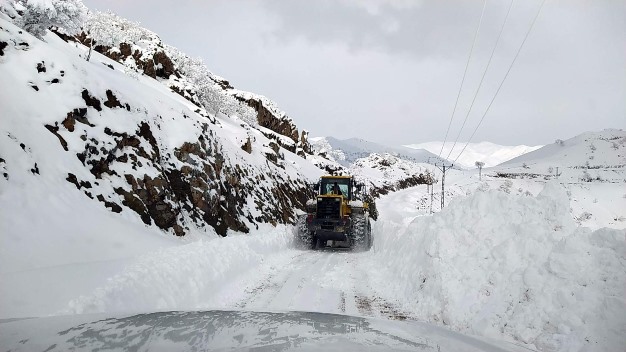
x,y
389,70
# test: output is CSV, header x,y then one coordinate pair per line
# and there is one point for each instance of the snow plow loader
x,y
338,217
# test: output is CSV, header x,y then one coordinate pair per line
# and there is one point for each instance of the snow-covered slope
x,y
386,172
74,133
599,156
489,153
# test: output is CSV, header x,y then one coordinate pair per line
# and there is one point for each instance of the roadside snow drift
x,y
181,277
497,264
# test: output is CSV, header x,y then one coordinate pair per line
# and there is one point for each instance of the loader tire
x,y
361,232
302,237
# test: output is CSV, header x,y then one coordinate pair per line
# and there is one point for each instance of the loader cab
x,y
336,185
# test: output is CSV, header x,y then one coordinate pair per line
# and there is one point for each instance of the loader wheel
x,y
302,237
361,232
315,242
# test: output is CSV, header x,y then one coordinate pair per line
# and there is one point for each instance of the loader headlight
x,y
339,229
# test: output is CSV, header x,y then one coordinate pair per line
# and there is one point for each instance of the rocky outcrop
x,y
281,125
194,185
411,181
157,64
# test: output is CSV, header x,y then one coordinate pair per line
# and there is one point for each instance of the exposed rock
x,y
148,68
55,131
247,147
266,119
74,116
165,66
112,101
65,37
41,67
111,205
91,101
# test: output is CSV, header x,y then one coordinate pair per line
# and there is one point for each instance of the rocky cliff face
x,y
138,149
141,50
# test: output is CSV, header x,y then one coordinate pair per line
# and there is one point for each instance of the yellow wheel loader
x,y
339,216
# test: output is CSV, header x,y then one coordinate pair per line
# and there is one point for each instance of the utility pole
x,y
431,197
479,165
443,167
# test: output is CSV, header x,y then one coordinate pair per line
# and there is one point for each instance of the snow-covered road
x,y
329,281
511,267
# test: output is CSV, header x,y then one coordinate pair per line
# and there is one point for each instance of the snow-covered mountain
x,y
489,153
591,156
347,151
602,148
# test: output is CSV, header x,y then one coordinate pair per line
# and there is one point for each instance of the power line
x,y
504,79
482,78
482,14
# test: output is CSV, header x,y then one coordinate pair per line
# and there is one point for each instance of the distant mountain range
x,y
489,153
348,151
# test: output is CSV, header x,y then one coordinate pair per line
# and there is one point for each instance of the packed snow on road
x,y
515,268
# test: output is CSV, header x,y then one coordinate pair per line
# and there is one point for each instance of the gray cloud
x,y
389,71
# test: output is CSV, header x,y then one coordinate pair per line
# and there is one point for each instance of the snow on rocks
x,y
497,264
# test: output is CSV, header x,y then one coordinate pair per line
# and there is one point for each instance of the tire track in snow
x,y
317,281
263,295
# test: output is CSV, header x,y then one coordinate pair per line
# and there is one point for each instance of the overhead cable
x,y
482,78
504,79
482,14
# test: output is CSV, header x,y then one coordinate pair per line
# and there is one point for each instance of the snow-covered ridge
x,y
589,157
490,153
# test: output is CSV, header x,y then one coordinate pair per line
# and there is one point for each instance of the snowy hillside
x,y
90,155
489,153
387,173
592,166
590,156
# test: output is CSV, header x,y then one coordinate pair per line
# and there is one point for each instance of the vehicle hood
x,y
217,330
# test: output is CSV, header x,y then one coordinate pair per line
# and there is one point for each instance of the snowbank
x,y
496,264
182,277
